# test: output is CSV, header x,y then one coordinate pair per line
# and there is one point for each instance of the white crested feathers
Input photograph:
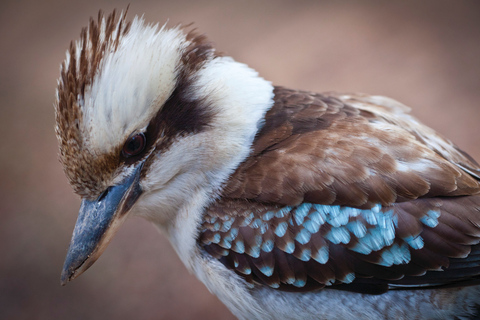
x,y
132,83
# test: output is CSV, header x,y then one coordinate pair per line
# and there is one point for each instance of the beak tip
x,y
64,278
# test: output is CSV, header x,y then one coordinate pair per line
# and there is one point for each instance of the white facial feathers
x,y
240,96
137,73
201,162
133,81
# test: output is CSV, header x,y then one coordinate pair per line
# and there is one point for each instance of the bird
x,y
285,204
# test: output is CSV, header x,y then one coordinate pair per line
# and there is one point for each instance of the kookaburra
x,y
286,204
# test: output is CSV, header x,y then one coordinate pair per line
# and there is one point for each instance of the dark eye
x,y
134,145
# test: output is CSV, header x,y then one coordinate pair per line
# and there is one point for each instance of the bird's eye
x,y
134,145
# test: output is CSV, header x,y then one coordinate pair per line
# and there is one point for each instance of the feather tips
x,y
319,245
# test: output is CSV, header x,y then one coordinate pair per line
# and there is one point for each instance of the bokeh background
x,y
423,53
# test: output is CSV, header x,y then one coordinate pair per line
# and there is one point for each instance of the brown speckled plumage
x,y
320,149
86,172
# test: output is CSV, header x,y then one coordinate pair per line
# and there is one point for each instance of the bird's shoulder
x,y
352,150
347,191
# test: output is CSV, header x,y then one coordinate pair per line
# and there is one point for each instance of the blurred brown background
x,y
423,53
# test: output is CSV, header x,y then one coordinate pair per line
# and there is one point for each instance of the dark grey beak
x,y
97,223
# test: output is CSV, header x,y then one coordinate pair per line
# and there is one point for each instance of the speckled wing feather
x,y
351,192
416,243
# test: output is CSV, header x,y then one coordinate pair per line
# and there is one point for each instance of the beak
x,y
97,223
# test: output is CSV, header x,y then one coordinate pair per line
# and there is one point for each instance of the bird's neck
x,y
239,99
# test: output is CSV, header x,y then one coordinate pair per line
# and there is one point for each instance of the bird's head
x,y
147,118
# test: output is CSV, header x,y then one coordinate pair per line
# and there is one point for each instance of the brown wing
x,y
348,190
423,242
348,150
